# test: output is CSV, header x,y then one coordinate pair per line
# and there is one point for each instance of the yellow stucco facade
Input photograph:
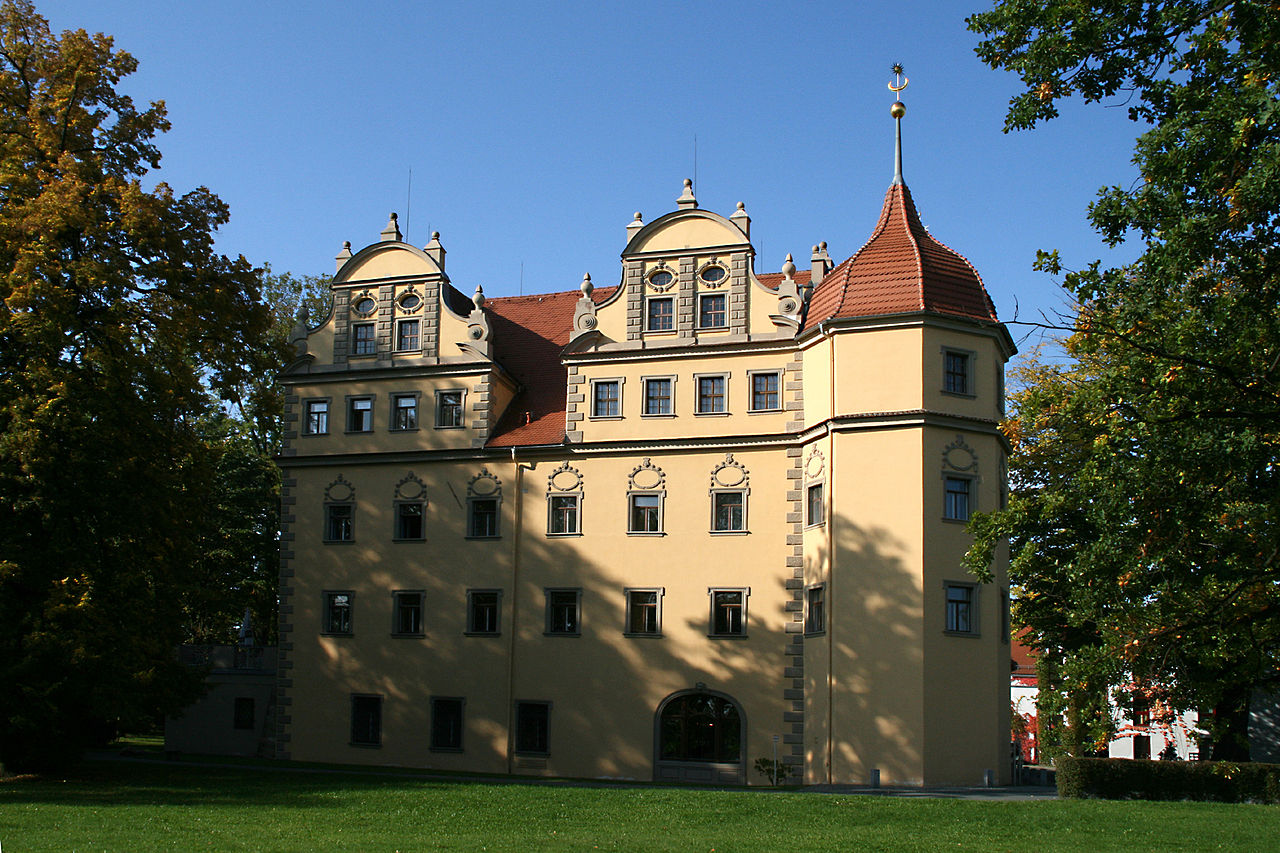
x,y
652,531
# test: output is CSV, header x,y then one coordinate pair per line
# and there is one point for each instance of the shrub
x,y
1128,779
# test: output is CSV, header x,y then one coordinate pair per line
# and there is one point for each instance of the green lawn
x,y
131,807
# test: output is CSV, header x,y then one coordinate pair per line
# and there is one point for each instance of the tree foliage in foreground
x,y
1144,529
117,319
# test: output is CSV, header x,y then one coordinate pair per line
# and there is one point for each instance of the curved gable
x,y
388,259
685,229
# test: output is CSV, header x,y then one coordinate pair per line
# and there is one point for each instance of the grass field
x,y
132,807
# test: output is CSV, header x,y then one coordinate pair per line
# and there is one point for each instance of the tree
x,y
117,321
1146,523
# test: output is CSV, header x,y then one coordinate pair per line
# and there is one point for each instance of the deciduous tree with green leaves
x,y
1146,519
117,320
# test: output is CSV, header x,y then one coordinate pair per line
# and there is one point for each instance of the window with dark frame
x,y
711,313
407,335
366,720
339,523
408,613
360,414
409,521
657,396
446,724
244,713
482,611
482,522
661,314
711,395
449,409
644,612
815,511
645,514
337,613
815,615
960,609
533,727
564,611
729,512
955,372
606,399
728,613
764,392
362,342
562,514
317,417
956,500
404,411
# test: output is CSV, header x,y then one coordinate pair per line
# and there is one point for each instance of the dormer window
x,y
661,314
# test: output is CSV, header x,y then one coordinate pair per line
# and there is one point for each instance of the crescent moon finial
x,y
899,78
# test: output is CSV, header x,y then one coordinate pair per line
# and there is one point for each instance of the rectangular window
x,y
533,727
407,615
606,399
956,499
728,612
764,392
644,612
362,339
360,414
244,712
317,417
562,514
337,613
366,720
409,526
482,611
728,512
815,614
645,513
446,724
408,335
661,316
711,313
404,411
960,609
711,395
815,509
563,611
955,372
482,521
448,409
339,523
657,396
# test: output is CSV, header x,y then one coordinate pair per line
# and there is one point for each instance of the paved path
x,y
1025,792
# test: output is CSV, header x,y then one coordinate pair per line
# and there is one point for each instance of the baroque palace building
x,y
658,530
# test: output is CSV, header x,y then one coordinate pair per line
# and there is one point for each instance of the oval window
x,y
661,278
364,305
714,274
410,301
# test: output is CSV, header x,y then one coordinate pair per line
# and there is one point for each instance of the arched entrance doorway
x,y
699,737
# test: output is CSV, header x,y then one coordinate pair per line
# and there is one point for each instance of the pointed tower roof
x,y
902,269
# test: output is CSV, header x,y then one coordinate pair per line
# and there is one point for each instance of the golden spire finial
x,y
898,110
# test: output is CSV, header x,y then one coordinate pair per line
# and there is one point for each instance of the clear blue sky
x,y
535,131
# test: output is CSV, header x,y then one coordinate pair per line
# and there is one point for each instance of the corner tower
x,y
903,364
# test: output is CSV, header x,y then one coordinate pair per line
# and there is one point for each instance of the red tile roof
x,y
771,280
528,334
900,270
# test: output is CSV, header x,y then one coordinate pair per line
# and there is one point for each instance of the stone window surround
x,y
970,373
471,630
550,594
971,496
395,519
974,612
327,603
751,391
697,394
808,503
462,409
591,410
350,400
417,410
325,538
395,612
741,633
462,728
577,506
306,415
627,626
644,396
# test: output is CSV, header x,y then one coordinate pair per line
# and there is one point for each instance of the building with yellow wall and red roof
x,y
659,530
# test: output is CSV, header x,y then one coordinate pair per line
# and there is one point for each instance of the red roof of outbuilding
x,y
900,270
528,334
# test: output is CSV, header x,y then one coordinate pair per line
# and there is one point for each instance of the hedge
x,y
1129,779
